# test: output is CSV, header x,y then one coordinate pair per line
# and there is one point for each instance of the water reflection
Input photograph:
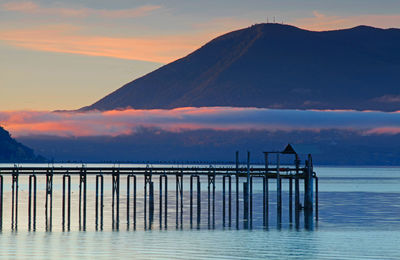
x,y
359,218
180,205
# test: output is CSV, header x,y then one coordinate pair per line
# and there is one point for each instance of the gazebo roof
x,y
289,150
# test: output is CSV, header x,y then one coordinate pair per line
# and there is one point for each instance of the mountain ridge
x,y
275,66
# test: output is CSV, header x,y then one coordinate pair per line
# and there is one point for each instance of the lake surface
x,y
359,218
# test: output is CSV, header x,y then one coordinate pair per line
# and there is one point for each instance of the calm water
x,y
359,219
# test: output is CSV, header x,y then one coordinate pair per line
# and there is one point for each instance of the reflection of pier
x,y
237,182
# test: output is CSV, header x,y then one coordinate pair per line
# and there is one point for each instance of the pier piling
x,y
198,193
278,191
316,198
237,189
66,193
211,184
266,192
265,201
115,199
179,199
164,179
82,199
229,179
32,202
308,185
1,202
251,203
245,206
49,200
290,198
131,181
308,194
151,204
14,200
99,201
297,207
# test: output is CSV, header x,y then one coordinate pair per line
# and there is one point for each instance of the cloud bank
x,y
125,122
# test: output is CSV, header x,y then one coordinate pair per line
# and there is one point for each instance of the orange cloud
x,y
29,7
68,39
322,22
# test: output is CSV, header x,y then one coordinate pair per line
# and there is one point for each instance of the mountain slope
x,y
12,151
276,66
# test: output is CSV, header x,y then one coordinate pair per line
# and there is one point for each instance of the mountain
x,y
12,151
276,66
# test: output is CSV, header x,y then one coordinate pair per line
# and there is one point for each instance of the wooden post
x,y
198,202
245,206
248,184
316,198
151,203
297,185
49,200
115,199
308,196
67,204
197,177
32,202
308,185
297,193
14,200
82,196
1,202
165,178
291,199
265,192
237,189
251,202
99,199
131,180
278,191
223,201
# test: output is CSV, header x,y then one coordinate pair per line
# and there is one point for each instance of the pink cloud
x,y
120,122
383,130
321,22
29,7
389,99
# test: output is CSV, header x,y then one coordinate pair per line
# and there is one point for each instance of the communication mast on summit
x,y
273,20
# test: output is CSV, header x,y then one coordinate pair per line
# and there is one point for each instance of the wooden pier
x,y
229,177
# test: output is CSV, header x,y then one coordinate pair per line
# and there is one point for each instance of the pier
x,y
237,209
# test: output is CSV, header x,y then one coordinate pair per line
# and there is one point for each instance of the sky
x,y
68,54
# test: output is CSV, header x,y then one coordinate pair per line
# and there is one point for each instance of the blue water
x,y
359,218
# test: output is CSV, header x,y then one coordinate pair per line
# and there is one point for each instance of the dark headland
x,y
13,151
275,66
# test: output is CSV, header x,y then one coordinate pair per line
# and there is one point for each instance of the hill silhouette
x,y
12,151
276,66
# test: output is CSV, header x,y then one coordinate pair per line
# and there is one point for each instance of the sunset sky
x,y
68,54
